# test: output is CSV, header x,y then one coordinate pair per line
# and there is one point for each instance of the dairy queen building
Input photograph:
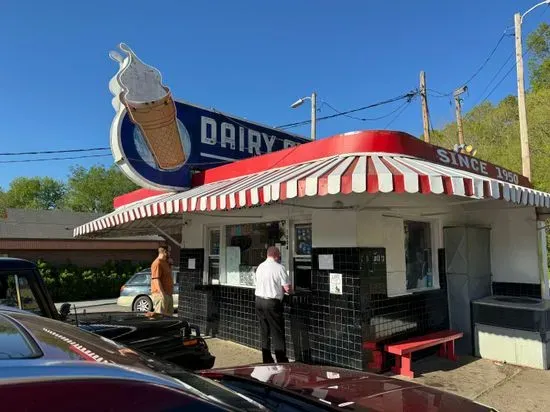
x,y
390,242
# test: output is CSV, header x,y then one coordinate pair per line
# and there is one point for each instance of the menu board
x,y
302,239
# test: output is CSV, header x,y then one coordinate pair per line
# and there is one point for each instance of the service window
x,y
245,248
214,237
418,255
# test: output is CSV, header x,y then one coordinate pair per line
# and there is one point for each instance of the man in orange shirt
x,y
162,285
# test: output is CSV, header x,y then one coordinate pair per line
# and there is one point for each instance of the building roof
x,y
48,224
364,162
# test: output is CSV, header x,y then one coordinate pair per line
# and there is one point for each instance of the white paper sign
x,y
336,283
232,264
192,264
326,262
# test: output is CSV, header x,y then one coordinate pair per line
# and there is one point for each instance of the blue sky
x,y
247,58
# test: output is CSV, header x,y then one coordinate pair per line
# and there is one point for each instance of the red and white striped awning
x,y
338,174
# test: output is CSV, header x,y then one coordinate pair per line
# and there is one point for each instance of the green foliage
x,y
538,43
86,190
93,189
71,283
35,193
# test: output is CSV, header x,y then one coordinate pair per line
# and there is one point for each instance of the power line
x,y
53,159
93,149
487,59
496,74
407,96
505,76
365,119
402,107
480,68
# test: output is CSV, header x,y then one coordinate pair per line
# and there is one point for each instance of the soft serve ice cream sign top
x,y
157,141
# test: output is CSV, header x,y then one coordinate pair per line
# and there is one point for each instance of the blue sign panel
x,y
159,142
208,139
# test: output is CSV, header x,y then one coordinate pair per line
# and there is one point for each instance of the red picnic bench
x,y
404,349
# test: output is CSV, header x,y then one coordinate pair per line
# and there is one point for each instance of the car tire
x,y
142,304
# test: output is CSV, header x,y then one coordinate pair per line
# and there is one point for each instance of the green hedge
x,y
69,283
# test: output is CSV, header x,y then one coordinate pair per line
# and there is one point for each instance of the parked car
x,y
48,362
50,365
337,389
136,292
167,337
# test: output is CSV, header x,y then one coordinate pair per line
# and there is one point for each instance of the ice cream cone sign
x,y
138,88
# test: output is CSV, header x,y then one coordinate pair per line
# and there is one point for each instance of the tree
x,y
34,193
494,129
93,189
538,43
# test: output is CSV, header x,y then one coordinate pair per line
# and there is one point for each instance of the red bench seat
x,y
404,349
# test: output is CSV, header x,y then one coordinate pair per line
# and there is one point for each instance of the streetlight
x,y
523,131
313,99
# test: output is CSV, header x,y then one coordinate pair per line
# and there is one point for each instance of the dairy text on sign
x,y
236,137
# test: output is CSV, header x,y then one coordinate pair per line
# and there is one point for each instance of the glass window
x,y
302,239
16,292
28,299
246,247
214,239
15,343
214,249
8,291
140,279
418,255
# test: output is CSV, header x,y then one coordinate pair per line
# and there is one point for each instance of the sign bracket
x,y
163,233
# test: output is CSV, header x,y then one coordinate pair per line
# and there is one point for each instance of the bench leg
x,y
450,350
403,366
443,350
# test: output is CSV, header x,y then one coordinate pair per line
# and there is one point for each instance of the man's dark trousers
x,y
272,325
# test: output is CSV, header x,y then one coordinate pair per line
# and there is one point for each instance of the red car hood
x,y
350,390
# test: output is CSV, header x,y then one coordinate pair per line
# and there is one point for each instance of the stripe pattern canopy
x,y
339,174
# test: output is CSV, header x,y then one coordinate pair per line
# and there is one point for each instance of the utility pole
x,y
313,116
523,132
424,98
458,110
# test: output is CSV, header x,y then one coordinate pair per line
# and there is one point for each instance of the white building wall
x,y
514,247
193,232
376,230
334,228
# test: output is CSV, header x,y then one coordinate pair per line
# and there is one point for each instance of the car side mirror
x,y
65,310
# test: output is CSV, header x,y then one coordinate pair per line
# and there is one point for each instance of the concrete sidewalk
x,y
507,388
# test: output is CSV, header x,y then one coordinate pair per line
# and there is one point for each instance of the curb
x,y
93,305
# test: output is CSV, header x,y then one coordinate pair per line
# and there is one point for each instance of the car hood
x,y
354,390
129,326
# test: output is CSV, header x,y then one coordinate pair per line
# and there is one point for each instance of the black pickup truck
x,y
168,338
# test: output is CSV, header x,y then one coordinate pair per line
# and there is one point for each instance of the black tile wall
x,y
335,320
531,290
321,327
391,319
193,303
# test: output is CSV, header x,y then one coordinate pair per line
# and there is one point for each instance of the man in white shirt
x,y
272,281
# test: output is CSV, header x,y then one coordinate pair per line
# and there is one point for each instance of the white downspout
x,y
543,259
